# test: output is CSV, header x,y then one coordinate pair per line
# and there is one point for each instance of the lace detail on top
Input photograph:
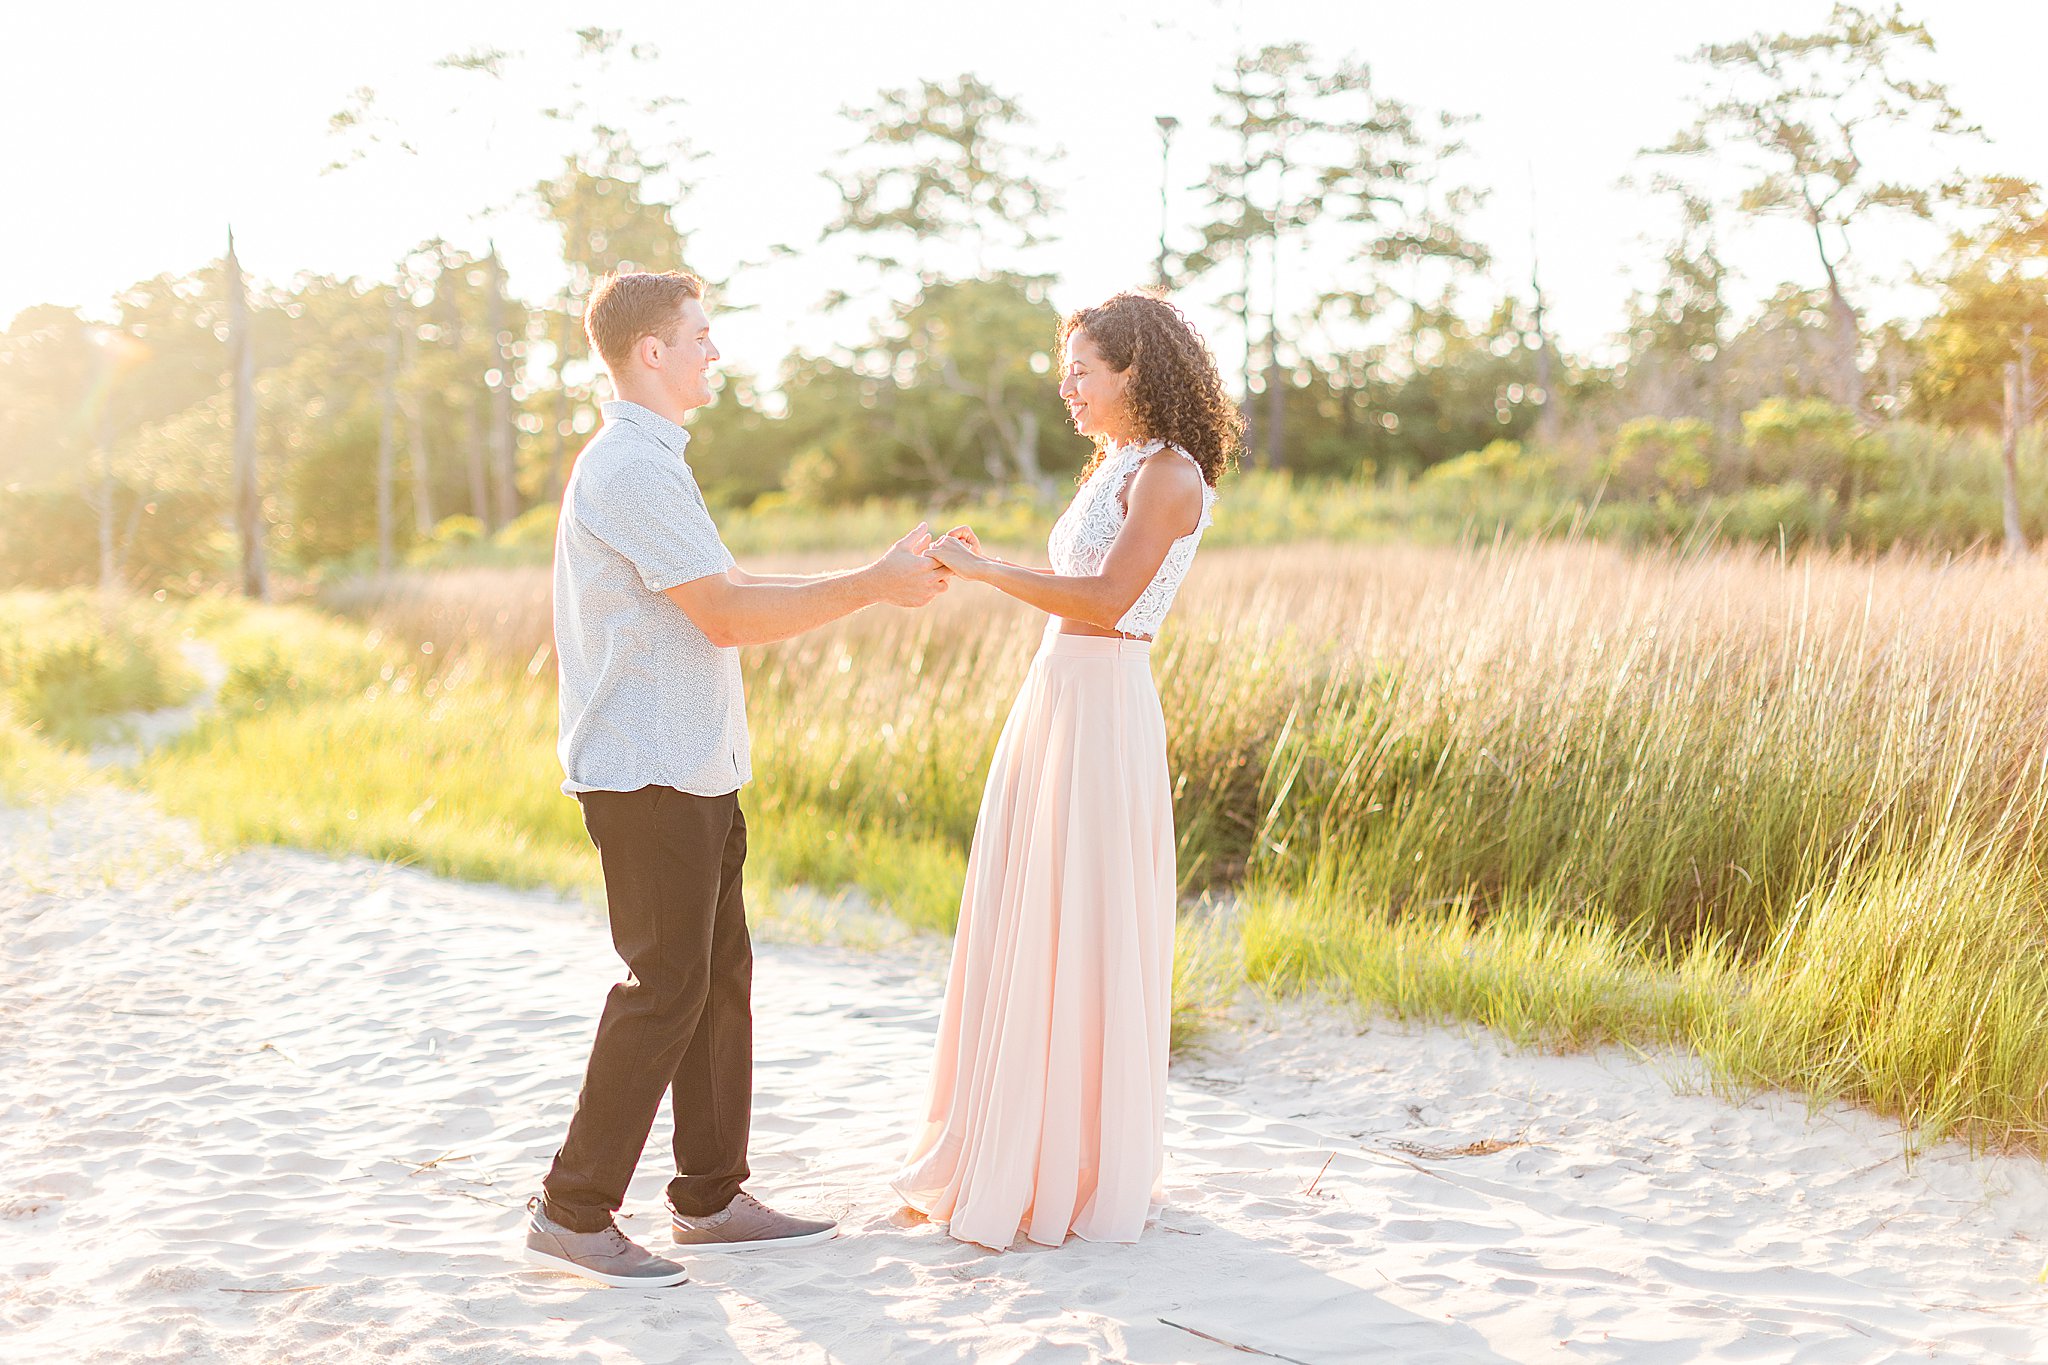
x,y
1082,537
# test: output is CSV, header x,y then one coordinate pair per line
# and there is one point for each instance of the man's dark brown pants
x,y
682,1021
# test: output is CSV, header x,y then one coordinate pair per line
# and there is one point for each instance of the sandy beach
x,y
279,1107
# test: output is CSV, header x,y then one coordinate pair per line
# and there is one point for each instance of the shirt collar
x,y
668,433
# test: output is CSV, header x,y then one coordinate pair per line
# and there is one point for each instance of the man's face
x,y
684,367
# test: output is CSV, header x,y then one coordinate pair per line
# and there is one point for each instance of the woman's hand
x,y
957,552
965,535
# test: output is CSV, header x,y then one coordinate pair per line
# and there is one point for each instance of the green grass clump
x,y
32,770
72,663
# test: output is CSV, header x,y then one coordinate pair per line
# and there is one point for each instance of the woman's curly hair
x,y
1176,394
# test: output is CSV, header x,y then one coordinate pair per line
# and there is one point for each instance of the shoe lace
x,y
615,1242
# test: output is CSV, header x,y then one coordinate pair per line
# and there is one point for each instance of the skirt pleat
x,y
1046,1111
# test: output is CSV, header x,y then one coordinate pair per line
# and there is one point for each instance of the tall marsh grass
x,y
1786,812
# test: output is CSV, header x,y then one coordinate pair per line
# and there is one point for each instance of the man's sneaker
x,y
746,1224
609,1257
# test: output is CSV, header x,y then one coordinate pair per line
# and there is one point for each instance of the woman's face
x,y
1097,397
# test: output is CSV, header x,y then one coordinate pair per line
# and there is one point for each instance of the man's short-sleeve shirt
x,y
646,698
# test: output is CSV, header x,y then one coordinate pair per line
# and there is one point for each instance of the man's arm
x,y
734,608
784,580
745,579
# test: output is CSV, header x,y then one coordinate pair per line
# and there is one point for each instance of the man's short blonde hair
x,y
625,308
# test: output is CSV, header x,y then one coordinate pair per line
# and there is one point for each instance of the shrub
x,y
1810,441
1659,455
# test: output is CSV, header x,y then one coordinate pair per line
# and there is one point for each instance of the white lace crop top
x,y
1082,536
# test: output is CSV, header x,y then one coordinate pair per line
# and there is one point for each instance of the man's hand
x,y
904,577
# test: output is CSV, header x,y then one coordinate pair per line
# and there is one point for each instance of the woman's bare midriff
x,y
1069,626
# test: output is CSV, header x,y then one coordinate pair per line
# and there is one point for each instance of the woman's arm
x,y
792,580
1164,504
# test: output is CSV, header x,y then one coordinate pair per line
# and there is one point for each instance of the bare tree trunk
x,y
456,336
2015,534
503,445
387,404
1848,379
1026,447
558,459
1244,321
479,478
1550,416
110,560
248,502
2030,412
1276,400
416,449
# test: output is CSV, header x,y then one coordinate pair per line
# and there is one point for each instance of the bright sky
x,y
131,133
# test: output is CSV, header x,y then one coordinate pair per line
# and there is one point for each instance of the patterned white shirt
x,y
646,699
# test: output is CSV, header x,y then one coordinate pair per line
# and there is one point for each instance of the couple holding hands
x,y
1045,1113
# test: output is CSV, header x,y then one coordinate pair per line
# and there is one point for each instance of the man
x,y
650,612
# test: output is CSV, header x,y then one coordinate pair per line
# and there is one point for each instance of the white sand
x,y
283,1108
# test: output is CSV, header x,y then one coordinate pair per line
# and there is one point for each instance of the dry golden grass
x,y
1787,812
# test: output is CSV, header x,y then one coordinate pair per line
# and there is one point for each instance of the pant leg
x,y
663,855
712,1096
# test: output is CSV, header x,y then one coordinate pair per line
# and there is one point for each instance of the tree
x,y
614,205
242,369
1676,336
1994,307
940,173
1322,148
1796,114
938,400
941,170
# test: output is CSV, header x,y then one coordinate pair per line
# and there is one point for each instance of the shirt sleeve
x,y
651,512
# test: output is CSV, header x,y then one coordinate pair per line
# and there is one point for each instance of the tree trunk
x,y
1028,469
558,459
2029,412
416,449
248,501
1276,401
1549,417
2015,535
1847,378
1244,322
479,476
387,403
110,560
503,444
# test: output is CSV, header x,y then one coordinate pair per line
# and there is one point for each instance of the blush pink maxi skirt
x,y
1047,1107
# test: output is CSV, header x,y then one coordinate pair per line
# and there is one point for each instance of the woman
x,y
1046,1112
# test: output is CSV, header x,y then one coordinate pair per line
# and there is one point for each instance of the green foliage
x,y
1994,306
1812,442
70,664
955,395
1653,455
1477,478
935,167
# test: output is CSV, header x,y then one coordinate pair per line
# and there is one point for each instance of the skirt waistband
x,y
1093,646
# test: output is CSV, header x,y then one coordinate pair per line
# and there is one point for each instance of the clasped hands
x,y
918,567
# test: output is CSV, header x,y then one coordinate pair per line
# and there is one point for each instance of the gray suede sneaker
x,y
609,1257
746,1224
